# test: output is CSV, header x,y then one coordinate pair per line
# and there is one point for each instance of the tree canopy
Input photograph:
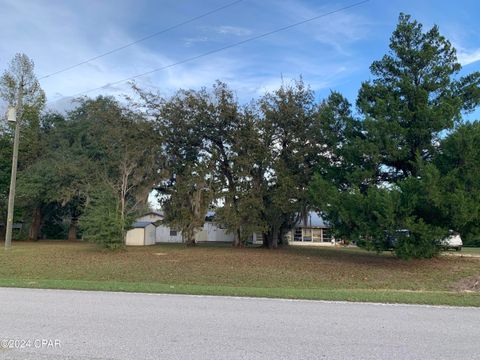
x,y
404,160
414,99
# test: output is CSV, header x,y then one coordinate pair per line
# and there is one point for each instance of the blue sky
x,y
332,53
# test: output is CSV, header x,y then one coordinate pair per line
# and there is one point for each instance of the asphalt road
x,y
102,325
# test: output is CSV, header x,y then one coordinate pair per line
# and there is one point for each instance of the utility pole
x,y
13,178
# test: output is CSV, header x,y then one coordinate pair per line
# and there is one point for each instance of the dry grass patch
x,y
471,284
293,267
294,272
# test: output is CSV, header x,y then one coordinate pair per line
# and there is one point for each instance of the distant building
x,y
313,229
152,216
210,232
142,233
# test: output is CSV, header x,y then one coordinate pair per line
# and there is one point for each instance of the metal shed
x,y
142,233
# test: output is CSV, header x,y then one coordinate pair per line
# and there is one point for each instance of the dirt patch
x,y
474,256
469,284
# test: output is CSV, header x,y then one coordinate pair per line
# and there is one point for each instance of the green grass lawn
x,y
293,272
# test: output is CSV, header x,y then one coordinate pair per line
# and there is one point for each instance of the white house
x,y
152,216
163,233
210,232
142,233
166,234
313,230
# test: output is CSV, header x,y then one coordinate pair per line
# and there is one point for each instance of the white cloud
x,y
468,56
233,30
55,38
58,36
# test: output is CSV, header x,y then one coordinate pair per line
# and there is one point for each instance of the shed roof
x,y
141,224
158,213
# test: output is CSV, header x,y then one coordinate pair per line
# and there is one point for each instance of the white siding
x,y
212,233
209,233
257,239
202,235
150,235
163,235
135,237
141,236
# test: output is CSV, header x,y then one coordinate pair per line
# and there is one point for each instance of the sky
x,y
331,53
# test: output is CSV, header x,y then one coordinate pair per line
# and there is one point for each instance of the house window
x,y
297,234
307,234
316,235
173,232
327,235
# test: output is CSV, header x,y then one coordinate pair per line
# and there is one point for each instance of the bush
x,y
472,240
101,222
422,242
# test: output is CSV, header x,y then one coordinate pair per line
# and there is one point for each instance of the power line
x,y
143,39
226,47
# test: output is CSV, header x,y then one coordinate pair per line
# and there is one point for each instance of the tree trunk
x,y
141,197
273,244
236,238
270,239
190,242
122,209
189,236
72,229
265,240
282,237
34,231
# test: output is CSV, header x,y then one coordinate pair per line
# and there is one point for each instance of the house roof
x,y
210,216
153,213
141,224
313,220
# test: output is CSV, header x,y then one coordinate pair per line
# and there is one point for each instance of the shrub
x,y
472,240
101,222
423,241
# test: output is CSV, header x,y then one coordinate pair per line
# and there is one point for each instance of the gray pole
x,y
13,179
